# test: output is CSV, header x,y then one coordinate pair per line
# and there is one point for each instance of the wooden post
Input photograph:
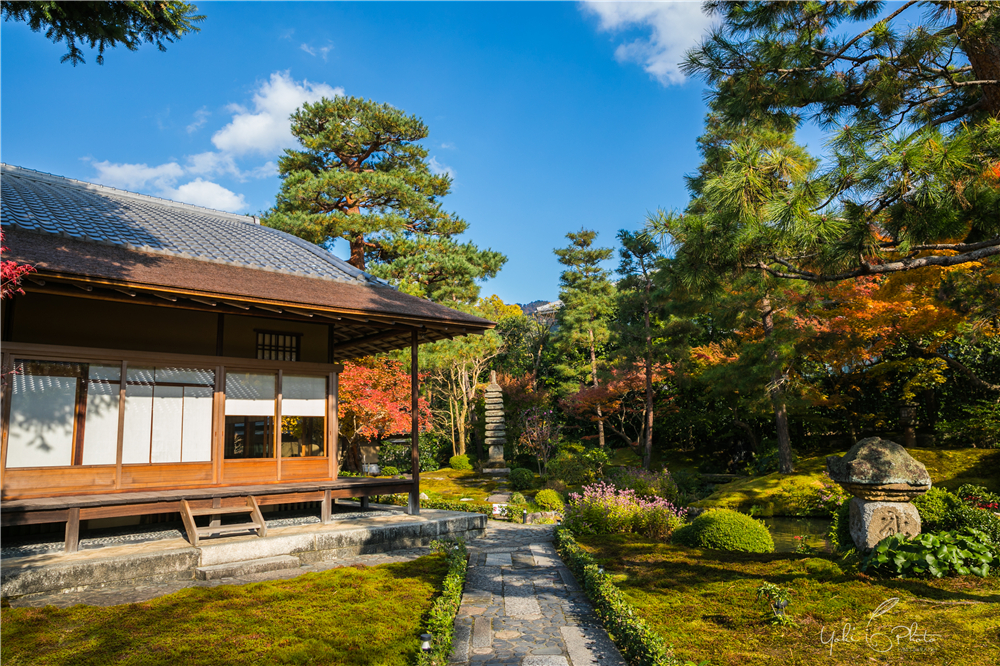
x,y
326,507
414,507
73,530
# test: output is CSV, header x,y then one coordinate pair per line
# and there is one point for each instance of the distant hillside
x,y
531,307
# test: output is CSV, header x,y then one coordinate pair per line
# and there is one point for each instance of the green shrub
x,y
723,529
942,554
549,500
521,478
400,455
460,462
978,497
840,529
576,465
441,618
964,517
933,506
517,499
390,471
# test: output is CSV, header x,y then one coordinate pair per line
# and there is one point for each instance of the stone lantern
x,y
883,478
496,436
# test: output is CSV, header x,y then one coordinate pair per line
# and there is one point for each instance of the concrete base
x,y
175,559
234,569
872,521
497,470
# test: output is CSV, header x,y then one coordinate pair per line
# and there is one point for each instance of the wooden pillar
x,y
327,506
73,530
414,507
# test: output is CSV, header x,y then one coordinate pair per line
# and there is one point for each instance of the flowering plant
x,y
604,509
645,483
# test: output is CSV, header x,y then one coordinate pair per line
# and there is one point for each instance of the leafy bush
x,y
964,517
604,509
942,554
576,465
460,462
724,529
521,478
390,471
829,498
640,645
441,618
840,529
400,456
645,483
978,497
933,506
549,500
517,499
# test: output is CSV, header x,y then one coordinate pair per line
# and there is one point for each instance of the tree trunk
x,y
593,372
357,252
982,48
647,459
776,392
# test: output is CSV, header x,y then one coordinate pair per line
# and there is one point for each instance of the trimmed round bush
x,y
390,471
549,500
521,478
517,498
933,506
460,462
724,529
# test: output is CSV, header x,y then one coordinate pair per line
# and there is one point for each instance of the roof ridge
x,y
43,176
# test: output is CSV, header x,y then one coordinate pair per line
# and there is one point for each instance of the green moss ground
x,y
454,484
704,604
358,616
790,495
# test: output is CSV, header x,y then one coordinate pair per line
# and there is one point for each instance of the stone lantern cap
x,y
877,469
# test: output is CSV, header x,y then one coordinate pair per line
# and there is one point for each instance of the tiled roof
x,y
44,203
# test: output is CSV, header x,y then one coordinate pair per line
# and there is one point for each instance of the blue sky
x,y
549,116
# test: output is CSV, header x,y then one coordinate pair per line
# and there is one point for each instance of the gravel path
x,y
521,605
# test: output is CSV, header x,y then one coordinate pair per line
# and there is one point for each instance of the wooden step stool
x,y
216,528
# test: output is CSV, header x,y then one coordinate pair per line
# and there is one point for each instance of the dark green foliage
x,y
444,505
105,24
723,529
549,500
390,471
517,499
363,177
958,553
401,457
521,478
840,529
639,644
441,619
978,497
933,506
576,465
964,517
459,462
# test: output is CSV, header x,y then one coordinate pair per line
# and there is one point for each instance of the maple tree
x,y
11,274
375,402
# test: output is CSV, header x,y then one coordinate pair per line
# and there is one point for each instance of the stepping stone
x,y
498,560
568,580
523,559
487,579
460,641
590,647
544,660
545,556
482,633
519,598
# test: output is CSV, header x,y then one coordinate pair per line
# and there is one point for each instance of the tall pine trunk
x,y
982,48
776,392
647,459
593,370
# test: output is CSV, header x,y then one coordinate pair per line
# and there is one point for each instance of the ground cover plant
x,y
798,494
722,529
705,604
337,616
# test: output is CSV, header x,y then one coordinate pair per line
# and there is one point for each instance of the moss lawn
x,y
358,616
704,603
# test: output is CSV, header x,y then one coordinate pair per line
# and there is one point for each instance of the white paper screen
x,y
100,431
197,433
42,409
303,396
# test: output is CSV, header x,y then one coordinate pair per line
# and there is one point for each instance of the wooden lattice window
x,y
278,345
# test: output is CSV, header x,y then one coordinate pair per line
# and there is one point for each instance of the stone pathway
x,y
522,606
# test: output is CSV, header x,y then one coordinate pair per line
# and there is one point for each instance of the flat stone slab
x,y
497,470
498,560
545,555
237,569
460,641
588,646
482,633
519,598
544,660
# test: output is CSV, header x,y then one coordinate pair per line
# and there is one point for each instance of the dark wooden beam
x,y
414,507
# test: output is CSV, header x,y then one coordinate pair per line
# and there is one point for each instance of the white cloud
x,y
211,163
137,176
448,146
200,118
208,194
675,27
437,168
266,128
322,51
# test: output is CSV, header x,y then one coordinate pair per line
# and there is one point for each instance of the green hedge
x,y
639,645
441,618
445,505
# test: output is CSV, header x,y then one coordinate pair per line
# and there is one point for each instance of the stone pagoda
x,y
883,478
496,435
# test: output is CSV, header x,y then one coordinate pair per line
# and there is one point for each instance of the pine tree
x,y
362,176
587,295
104,24
912,106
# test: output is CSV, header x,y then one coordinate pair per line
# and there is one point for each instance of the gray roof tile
x,y
44,203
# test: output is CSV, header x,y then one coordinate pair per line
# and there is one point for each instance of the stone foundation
x,y
872,521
